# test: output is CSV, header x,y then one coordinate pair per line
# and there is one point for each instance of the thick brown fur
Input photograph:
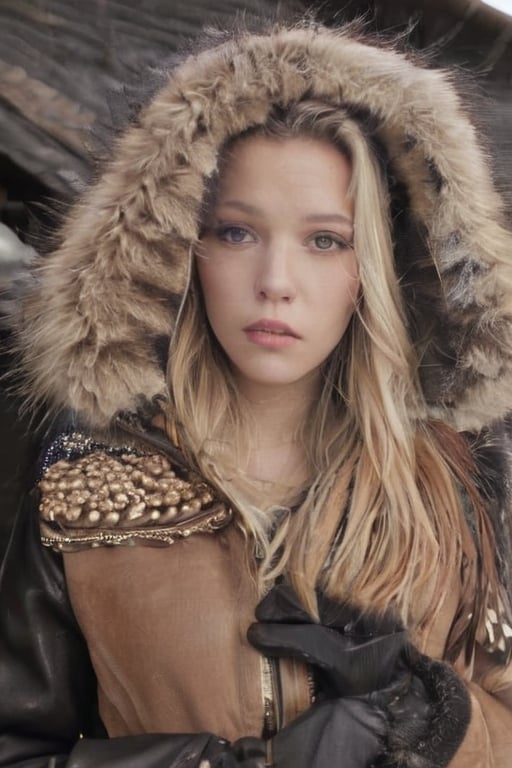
x,y
104,300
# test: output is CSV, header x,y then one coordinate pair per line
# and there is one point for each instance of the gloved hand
x,y
353,653
248,752
423,702
337,732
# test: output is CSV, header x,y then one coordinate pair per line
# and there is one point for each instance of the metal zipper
x,y
273,718
272,715
311,684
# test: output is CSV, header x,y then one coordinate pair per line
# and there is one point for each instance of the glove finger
x,y
282,605
352,620
350,668
249,750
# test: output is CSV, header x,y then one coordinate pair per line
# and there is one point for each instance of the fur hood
x,y
104,304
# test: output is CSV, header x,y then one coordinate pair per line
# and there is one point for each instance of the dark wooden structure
x,y
60,58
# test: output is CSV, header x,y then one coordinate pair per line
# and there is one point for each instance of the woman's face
x,y
277,270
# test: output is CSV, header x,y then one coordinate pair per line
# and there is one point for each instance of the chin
x,y
276,379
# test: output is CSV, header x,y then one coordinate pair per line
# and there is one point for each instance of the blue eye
x,y
327,242
324,242
233,234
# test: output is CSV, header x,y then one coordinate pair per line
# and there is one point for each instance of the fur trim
x,y
492,450
409,744
106,301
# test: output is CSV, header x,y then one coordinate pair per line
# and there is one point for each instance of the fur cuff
x,y
409,743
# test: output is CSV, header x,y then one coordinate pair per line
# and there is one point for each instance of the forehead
x,y
301,152
300,169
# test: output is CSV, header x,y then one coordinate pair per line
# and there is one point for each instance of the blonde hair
x,y
382,518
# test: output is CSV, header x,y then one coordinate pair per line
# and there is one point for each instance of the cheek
x,y
338,294
214,282
223,293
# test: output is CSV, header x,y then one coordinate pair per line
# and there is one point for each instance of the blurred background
x,y
63,66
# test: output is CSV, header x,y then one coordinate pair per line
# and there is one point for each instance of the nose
x,y
274,278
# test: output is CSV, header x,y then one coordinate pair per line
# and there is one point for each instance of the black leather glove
x,y
248,752
353,654
423,702
336,732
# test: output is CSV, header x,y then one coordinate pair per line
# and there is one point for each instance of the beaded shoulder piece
x,y
95,495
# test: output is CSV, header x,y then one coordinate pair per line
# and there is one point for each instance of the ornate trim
x,y
102,499
70,541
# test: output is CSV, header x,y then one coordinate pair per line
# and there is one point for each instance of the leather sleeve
x,y
47,686
48,710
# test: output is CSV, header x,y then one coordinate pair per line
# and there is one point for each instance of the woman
x,y
306,224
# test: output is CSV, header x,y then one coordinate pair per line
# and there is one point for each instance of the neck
x,y
277,412
275,454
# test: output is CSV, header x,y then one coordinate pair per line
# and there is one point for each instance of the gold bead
x,y
77,483
168,514
154,469
73,513
136,510
129,458
46,486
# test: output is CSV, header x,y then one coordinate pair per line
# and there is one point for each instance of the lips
x,y
274,327
271,335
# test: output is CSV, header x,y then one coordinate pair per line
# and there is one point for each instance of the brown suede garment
x,y
166,629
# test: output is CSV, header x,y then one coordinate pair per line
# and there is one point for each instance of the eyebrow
x,y
312,217
337,217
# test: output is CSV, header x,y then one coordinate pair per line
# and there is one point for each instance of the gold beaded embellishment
x,y
101,499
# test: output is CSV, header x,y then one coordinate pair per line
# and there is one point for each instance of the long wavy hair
x,y
381,519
